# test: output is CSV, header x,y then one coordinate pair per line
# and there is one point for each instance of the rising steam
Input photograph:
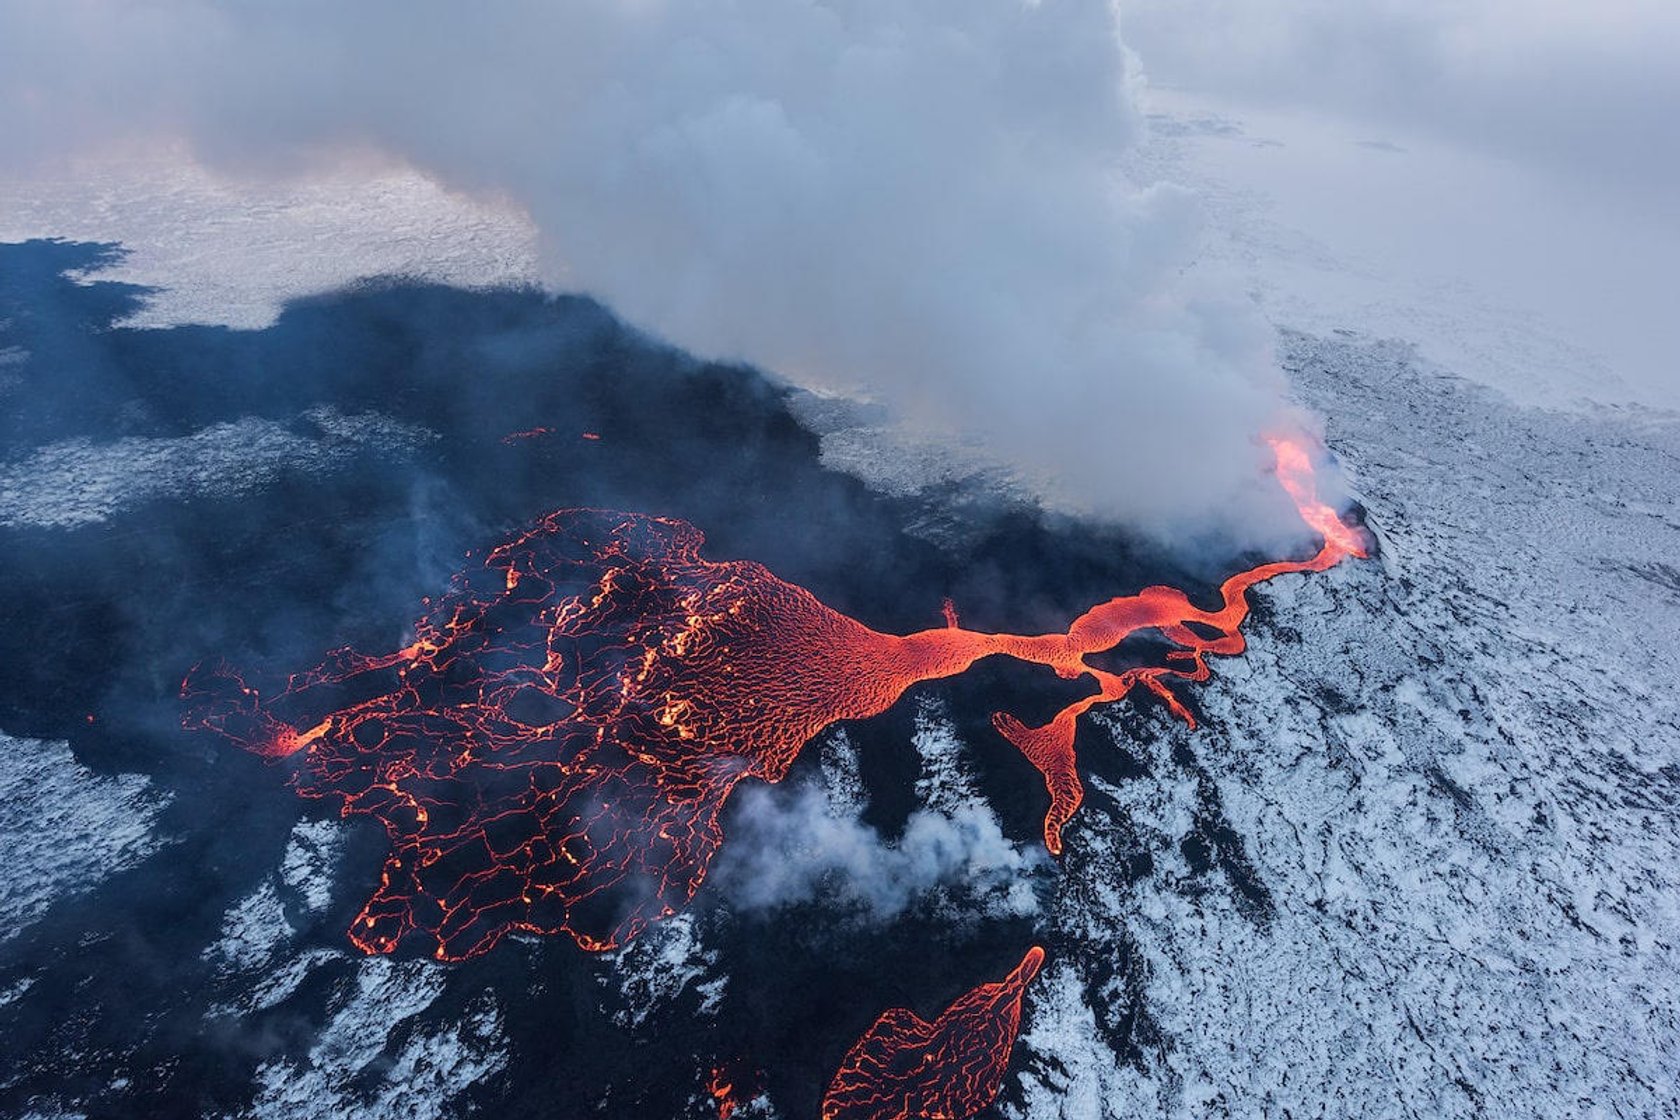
x,y
916,200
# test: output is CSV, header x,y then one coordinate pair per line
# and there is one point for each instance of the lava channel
x,y
552,751
949,1069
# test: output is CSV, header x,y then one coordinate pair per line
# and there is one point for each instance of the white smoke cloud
x,y
794,846
920,200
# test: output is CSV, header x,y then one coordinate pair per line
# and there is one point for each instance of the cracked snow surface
x,y
376,1056
383,1047
78,482
1421,858
66,827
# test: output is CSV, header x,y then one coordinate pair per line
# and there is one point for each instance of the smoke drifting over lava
x,y
553,751
917,201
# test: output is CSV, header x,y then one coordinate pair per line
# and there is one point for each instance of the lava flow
x,y
552,751
729,1088
951,1068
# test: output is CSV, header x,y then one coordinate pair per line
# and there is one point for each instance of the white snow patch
x,y
258,934
16,989
253,931
651,973
842,781
67,828
420,1079
231,251
310,857
944,782
1070,1072
285,977
78,482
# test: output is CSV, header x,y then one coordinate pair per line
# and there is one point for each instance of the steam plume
x,y
917,200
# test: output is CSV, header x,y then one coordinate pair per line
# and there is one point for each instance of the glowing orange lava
x,y
552,751
529,433
951,1068
727,1089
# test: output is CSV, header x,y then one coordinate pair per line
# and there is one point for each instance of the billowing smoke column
x,y
905,1066
553,750
921,200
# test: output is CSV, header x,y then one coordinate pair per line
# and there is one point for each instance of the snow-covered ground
x,y
371,1059
1449,773
374,1054
66,828
1454,772
226,249
76,482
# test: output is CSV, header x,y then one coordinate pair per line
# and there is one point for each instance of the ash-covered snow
x,y
257,931
66,827
77,482
382,1047
1449,881
646,979
893,457
374,1058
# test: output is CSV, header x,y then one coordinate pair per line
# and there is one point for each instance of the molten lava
x,y
728,1088
904,1066
552,751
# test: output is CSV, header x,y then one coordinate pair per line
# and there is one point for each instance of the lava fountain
x,y
553,751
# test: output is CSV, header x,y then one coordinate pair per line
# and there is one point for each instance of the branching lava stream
x,y
552,751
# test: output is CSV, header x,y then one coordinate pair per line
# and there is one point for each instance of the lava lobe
x,y
904,1066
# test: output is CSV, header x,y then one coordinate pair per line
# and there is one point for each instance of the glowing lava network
x,y
904,1066
553,750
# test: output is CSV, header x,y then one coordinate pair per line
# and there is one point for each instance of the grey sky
x,y
1513,213
1587,89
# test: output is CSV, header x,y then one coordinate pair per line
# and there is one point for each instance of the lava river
x,y
553,750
